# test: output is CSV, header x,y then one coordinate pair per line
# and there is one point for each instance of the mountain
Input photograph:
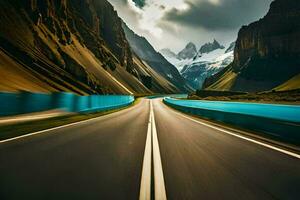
x,y
188,52
196,69
267,53
209,47
145,51
74,46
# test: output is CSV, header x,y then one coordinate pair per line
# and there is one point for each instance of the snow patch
x,y
197,69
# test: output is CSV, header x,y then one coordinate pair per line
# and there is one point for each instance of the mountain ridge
x,y
209,47
155,60
74,46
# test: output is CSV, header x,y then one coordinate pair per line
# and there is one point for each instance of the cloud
x,y
174,23
127,11
218,14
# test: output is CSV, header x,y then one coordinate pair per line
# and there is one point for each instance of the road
x,y
108,158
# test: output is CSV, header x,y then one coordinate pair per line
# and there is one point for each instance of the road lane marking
x,y
25,118
47,130
159,182
243,137
145,188
52,129
152,148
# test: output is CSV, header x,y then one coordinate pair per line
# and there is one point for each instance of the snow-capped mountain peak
x,y
210,59
209,47
188,52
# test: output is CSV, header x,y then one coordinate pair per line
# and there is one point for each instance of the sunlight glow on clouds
x,y
174,23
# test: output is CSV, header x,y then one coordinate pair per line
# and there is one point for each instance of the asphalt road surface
x,y
148,151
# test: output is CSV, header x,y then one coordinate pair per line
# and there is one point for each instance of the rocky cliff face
x,y
267,51
68,45
95,23
276,35
104,21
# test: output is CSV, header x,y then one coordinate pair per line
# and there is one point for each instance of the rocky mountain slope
x,y
266,54
145,51
189,52
210,59
69,45
209,47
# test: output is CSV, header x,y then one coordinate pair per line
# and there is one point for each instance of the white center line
x,y
243,137
145,189
159,183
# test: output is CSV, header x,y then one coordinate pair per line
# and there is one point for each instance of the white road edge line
x,y
159,183
47,130
243,137
145,188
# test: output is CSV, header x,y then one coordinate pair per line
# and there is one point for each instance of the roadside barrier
x,y
282,130
25,102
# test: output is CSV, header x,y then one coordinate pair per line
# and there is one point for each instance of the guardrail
x,y
277,129
25,102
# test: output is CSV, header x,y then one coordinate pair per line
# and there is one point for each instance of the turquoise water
x,y
290,113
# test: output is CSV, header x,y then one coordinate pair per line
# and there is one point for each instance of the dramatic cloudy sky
x,y
174,23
